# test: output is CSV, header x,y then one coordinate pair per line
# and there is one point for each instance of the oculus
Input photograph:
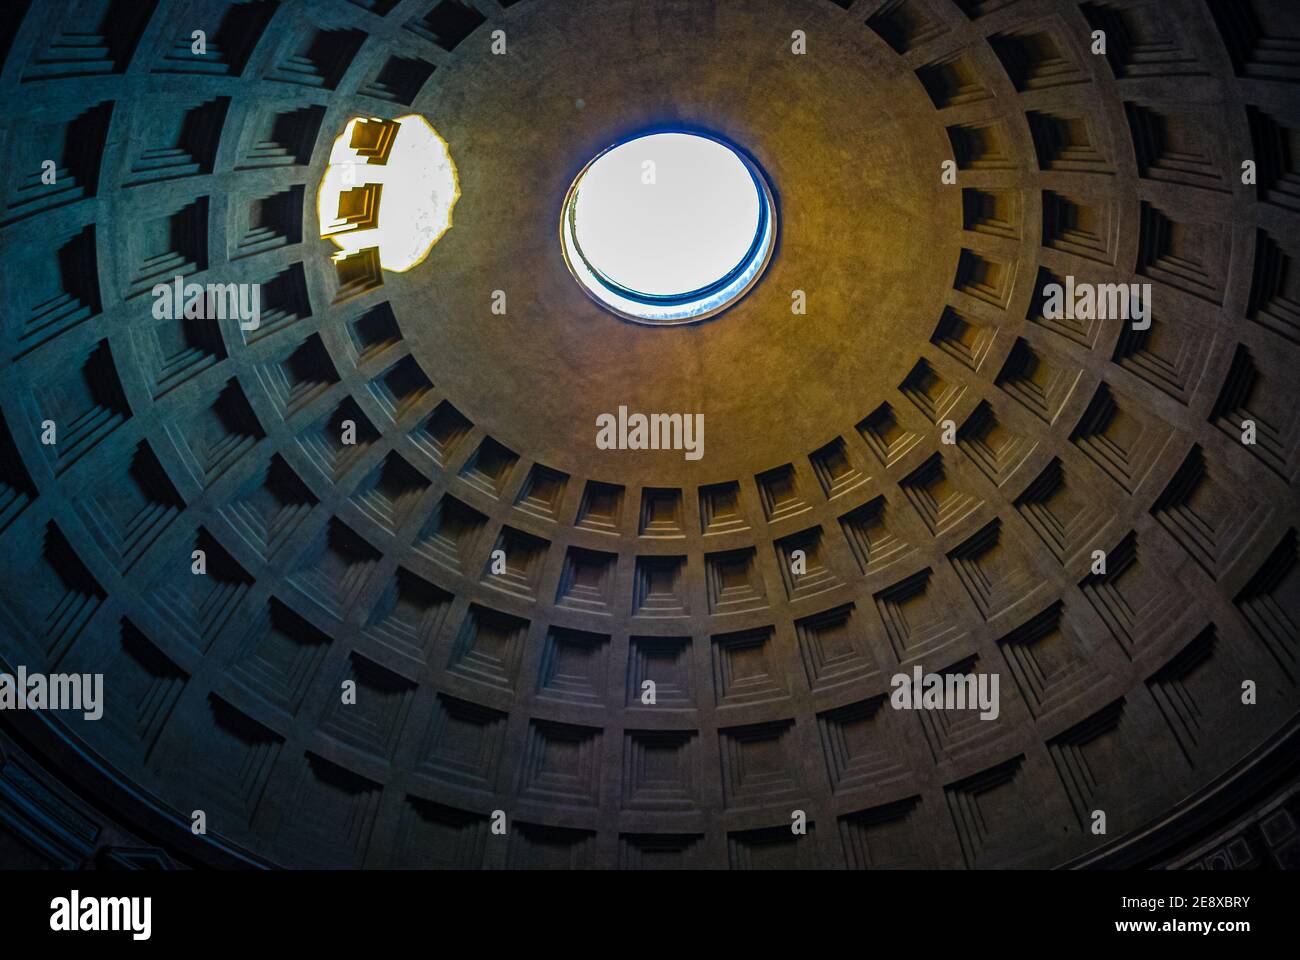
x,y
668,227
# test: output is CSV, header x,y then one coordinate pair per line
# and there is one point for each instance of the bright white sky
x,y
690,227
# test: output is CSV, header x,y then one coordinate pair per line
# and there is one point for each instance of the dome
x,y
948,337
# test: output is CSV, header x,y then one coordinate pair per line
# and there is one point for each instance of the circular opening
x,y
668,227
